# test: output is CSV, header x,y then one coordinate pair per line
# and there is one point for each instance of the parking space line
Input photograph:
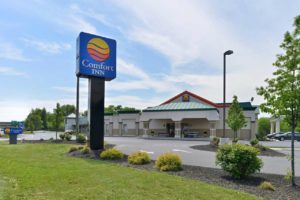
x,y
180,150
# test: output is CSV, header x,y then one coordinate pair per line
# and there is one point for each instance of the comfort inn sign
x,y
96,56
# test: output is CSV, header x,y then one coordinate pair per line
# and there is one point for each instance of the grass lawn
x,y
43,171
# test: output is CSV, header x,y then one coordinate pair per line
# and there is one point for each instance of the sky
x,y
164,47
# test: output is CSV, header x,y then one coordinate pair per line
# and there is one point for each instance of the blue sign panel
x,y
13,130
96,56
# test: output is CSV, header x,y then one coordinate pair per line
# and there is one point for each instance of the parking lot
x,y
276,165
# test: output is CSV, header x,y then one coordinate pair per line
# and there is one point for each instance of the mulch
x,y
284,190
267,152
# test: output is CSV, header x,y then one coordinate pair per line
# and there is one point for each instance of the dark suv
x,y
288,136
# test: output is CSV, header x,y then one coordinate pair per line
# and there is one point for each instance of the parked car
x,y
272,135
287,136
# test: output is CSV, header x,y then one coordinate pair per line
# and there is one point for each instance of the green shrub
x,y
235,140
239,160
62,136
111,154
254,142
261,147
215,141
81,138
106,145
267,186
80,147
288,175
73,149
139,158
168,162
85,150
68,137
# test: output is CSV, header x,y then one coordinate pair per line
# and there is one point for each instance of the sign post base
x,y
96,112
13,138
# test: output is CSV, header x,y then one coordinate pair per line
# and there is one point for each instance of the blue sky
x,y
164,47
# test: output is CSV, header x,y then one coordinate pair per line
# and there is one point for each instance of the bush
x,y
68,137
267,186
139,158
73,149
168,162
106,145
80,147
85,150
254,142
81,138
111,154
62,136
288,175
215,141
235,140
239,160
261,147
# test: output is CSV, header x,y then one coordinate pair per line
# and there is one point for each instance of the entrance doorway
x,y
171,129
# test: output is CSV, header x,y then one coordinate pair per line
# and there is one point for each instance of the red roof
x,y
196,97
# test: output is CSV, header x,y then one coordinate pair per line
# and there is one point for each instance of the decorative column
x,y
277,128
272,127
212,130
146,129
178,129
253,130
111,124
137,128
120,128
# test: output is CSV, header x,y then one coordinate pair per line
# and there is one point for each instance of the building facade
x,y
186,115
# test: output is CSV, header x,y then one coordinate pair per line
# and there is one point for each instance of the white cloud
x,y
49,47
92,14
11,71
11,52
74,21
193,31
183,31
16,110
130,69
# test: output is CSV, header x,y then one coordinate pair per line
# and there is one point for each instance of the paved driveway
x,y
274,165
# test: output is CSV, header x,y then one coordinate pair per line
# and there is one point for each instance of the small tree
x,y
282,93
44,119
235,119
58,118
263,128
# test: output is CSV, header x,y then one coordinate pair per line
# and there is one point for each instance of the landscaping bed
x,y
212,148
43,171
283,190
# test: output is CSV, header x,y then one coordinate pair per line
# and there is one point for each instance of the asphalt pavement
x,y
273,165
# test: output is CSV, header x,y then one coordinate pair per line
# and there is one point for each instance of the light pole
x,y
228,52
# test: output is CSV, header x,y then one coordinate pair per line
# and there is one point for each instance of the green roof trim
x,y
129,111
180,106
244,105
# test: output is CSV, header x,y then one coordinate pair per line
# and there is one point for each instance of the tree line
x,y
41,119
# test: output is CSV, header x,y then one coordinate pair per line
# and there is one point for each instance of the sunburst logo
x,y
7,131
98,49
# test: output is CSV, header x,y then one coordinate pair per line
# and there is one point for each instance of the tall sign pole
x,y
96,60
77,106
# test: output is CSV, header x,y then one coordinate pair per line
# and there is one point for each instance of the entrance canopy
x,y
178,111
